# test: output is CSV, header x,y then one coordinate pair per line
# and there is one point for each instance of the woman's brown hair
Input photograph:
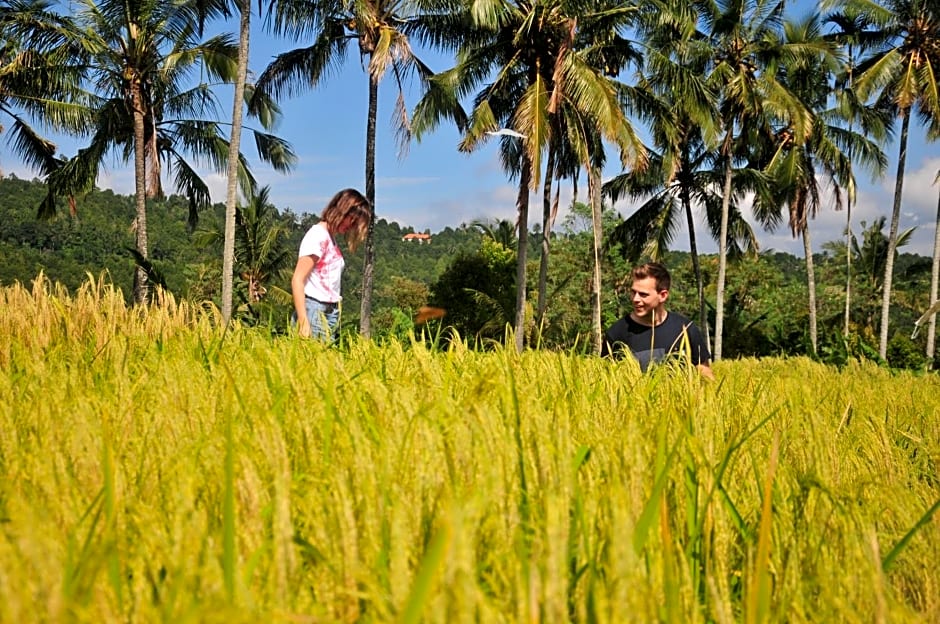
x,y
349,203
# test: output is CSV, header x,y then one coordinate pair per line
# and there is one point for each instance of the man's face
x,y
646,298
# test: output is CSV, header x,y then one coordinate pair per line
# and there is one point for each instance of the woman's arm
x,y
302,271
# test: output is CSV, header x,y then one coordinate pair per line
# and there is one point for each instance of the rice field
x,y
155,469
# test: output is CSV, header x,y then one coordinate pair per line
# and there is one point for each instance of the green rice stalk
x,y
111,525
229,553
424,580
671,581
647,519
759,585
888,562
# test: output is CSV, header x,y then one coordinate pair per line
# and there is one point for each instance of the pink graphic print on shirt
x,y
325,280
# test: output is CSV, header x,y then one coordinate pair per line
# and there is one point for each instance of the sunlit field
x,y
155,469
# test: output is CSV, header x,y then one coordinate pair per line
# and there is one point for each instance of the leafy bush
x,y
903,353
478,291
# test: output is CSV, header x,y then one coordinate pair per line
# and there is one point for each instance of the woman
x,y
318,274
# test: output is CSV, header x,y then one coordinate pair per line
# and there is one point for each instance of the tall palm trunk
x,y
810,285
522,206
847,320
546,243
893,234
848,266
696,265
141,283
234,148
594,192
723,248
934,283
368,269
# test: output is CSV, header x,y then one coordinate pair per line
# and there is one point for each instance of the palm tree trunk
x,y
810,285
893,234
594,192
848,266
847,321
368,269
723,249
522,206
234,148
546,243
696,265
934,283
141,285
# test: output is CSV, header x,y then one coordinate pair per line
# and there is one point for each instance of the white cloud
x,y
121,181
919,207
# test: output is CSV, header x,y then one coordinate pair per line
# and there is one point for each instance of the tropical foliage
x,y
384,31
766,309
902,76
136,62
751,118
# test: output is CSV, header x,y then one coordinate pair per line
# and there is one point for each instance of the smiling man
x,y
651,332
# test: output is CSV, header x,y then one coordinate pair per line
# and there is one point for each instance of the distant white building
x,y
421,238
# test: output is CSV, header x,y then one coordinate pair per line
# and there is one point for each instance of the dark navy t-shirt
x,y
653,344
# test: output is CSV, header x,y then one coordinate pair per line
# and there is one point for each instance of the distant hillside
x,y
97,238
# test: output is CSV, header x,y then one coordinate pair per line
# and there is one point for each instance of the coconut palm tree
x,y
934,281
670,191
742,38
854,34
234,149
681,111
538,68
385,31
904,77
871,257
794,166
138,59
502,231
261,251
262,106
38,80
560,164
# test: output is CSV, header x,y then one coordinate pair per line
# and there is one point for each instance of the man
x,y
651,332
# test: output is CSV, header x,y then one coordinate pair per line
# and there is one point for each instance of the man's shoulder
x,y
622,326
678,317
680,323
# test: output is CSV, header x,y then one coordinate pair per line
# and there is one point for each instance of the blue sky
x,y
434,185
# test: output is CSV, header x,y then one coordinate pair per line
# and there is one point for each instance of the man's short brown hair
x,y
655,270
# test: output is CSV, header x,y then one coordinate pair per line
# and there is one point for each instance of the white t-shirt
x,y
323,283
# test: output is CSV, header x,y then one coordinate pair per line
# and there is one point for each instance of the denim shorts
x,y
323,318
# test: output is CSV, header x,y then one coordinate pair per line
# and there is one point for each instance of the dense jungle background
x,y
468,270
